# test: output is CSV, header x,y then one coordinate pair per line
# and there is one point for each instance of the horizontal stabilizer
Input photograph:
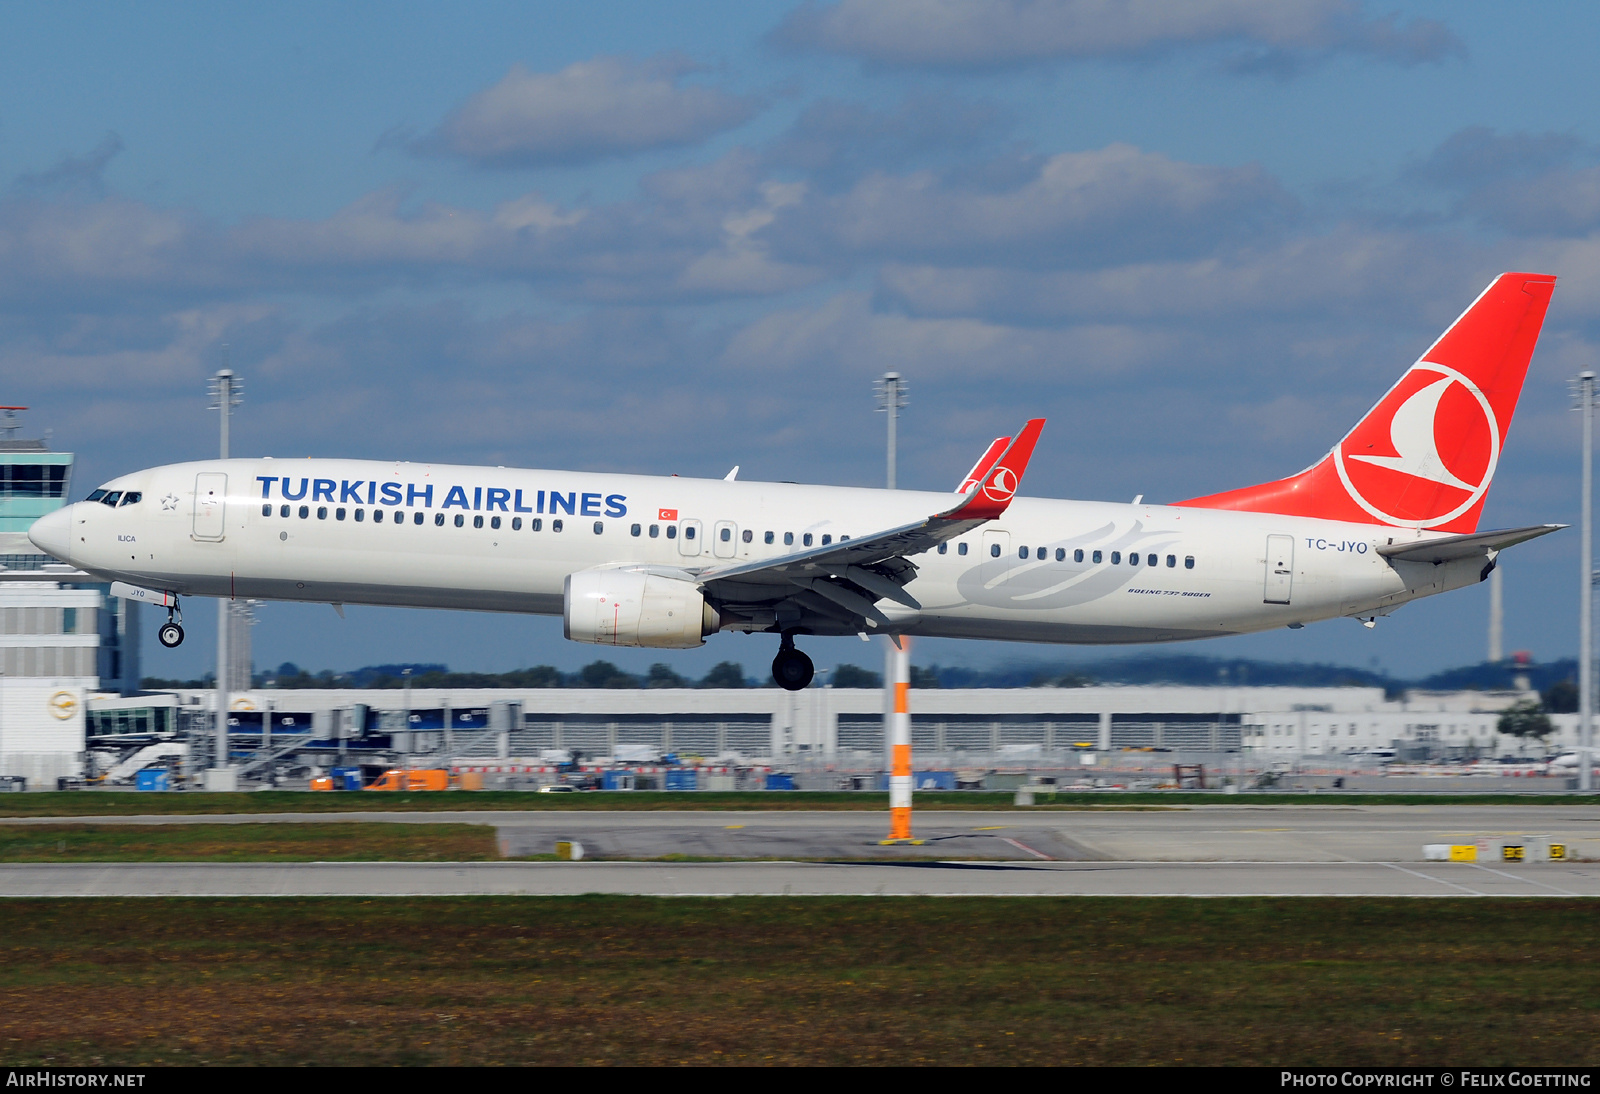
x,y
1477,545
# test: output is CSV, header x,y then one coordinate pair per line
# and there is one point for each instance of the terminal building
x,y
60,640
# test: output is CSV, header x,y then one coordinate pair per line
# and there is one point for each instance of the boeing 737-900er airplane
x,y
1390,514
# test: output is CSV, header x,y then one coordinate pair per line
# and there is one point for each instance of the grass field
x,y
113,803
685,981
346,841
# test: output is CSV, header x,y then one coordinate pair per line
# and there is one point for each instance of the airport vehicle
x,y
1389,515
411,778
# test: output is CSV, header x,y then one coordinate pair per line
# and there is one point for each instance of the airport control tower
x,y
93,644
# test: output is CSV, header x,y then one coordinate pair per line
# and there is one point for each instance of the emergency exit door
x,y
210,505
1280,570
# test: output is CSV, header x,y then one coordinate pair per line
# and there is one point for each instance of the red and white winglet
x,y
985,464
989,496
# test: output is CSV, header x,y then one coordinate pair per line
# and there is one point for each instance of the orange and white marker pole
x,y
900,744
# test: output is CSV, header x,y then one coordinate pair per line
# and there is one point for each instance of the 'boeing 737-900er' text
x,y
1390,514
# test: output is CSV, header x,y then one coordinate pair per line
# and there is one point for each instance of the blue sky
x,y
1201,239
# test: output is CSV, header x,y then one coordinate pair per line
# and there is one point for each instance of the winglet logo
x,y
1001,485
1427,452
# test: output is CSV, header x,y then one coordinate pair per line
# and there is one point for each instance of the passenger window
x,y
283,510
1172,561
727,535
516,524
535,524
555,525
1188,562
360,515
1022,552
305,511
805,540
494,522
417,518
1116,558
322,512
766,537
826,540
655,531
944,548
377,517
635,530
748,535
1152,560
438,520
477,521
339,514
1077,556
843,538
1061,554
961,548
132,497
788,539
266,510
994,550
1096,557
461,520
1039,553
672,531
599,527
688,532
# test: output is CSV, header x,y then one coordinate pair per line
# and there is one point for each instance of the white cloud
x,y
998,33
608,106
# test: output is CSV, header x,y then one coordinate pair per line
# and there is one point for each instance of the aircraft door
x,y
997,551
688,537
1280,570
210,505
725,539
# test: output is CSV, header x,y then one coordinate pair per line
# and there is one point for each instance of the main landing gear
x,y
171,632
792,669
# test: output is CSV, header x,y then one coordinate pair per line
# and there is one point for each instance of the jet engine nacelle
x,y
631,608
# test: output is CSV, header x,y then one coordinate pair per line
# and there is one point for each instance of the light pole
x,y
1583,399
225,392
891,392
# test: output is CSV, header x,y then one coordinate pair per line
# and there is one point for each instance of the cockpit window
x,y
96,496
111,498
132,497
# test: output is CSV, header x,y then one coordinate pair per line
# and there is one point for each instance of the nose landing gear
x,y
791,669
171,633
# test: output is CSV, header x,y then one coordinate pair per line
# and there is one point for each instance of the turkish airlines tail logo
x,y
1424,456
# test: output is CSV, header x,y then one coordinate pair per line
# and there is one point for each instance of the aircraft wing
x,y
835,588
1475,545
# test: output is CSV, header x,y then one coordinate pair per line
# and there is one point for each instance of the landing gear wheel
x,y
792,669
170,635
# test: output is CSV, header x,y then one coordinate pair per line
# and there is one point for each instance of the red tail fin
x,y
1425,455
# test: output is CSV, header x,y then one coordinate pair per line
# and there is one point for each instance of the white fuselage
x,y
311,530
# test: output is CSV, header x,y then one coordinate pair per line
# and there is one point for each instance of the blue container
x,y
779,781
617,780
682,778
152,778
933,780
346,778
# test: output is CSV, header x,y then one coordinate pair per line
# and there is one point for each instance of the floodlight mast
x,y
1583,400
226,393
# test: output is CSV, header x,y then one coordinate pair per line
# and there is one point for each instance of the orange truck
x,y
411,779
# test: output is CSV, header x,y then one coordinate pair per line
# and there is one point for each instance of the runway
x,y
384,879
1208,833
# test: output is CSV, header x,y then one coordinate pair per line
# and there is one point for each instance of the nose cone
x,y
52,533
